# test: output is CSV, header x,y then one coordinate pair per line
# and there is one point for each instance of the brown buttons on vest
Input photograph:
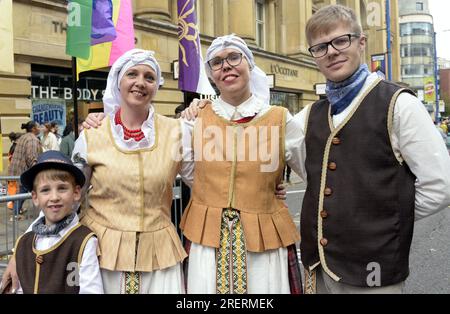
x,y
332,166
324,214
323,242
336,141
39,259
328,191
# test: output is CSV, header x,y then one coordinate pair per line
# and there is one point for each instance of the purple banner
x,y
103,29
189,46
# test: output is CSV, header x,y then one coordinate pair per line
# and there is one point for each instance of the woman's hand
x,y
280,192
94,119
192,111
10,275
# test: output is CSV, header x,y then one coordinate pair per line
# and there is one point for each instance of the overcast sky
x,y
440,9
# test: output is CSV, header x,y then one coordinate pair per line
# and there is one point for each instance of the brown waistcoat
x,y
51,271
359,204
232,171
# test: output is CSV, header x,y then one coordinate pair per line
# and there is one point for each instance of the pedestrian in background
x,y
26,153
444,126
68,141
13,137
12,184
49,140
55,130
375,164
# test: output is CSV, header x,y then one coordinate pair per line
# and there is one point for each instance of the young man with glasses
x,y
375,165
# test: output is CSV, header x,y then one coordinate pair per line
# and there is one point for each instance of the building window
x,y
198,14
260,23
419,6
416,28
416,50
290,101
417,70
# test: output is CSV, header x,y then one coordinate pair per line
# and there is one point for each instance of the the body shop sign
x,y
46,92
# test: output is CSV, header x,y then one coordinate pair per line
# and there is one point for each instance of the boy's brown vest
x,y
55,270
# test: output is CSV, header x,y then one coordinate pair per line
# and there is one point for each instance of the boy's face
x,y
55,198
337,65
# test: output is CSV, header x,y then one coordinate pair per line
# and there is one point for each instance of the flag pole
x,y
75,95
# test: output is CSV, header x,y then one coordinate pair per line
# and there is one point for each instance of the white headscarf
x,y
259,85
112,98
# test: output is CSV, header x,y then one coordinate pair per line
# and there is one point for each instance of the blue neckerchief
x,y
341,94
42,229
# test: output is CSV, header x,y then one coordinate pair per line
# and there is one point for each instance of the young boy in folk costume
x,y
58,254
243,237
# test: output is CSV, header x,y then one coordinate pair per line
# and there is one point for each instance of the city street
x,y
430,249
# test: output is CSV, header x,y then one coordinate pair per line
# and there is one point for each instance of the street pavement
x,y
430,248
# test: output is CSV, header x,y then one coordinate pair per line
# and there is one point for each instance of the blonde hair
x,y
329,17
54,174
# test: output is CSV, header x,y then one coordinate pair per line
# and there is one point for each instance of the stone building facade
x,y
274,29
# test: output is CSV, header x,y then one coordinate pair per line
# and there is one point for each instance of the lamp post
x,y
388,40
436,84
436,73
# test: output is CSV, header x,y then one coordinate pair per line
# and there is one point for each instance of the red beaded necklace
x,y
137,134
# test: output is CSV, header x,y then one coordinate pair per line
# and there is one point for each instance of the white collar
x,y
72,224
61,233
248,108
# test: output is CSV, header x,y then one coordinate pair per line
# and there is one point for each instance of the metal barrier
x,y
9,223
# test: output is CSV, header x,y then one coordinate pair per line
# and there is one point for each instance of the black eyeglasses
x,y
233,59
339,43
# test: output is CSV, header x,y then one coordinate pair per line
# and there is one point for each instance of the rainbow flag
x,y
100,33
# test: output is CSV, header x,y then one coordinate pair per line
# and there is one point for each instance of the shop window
x,y
51,94
291,101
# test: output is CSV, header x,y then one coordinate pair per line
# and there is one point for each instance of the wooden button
x,y
332,166
324,214
324,242
328,191
39,259
336,141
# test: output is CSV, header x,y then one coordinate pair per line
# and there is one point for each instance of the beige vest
x,y
131,199
239,166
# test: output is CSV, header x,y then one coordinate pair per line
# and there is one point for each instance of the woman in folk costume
x,y
131,165
242,236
